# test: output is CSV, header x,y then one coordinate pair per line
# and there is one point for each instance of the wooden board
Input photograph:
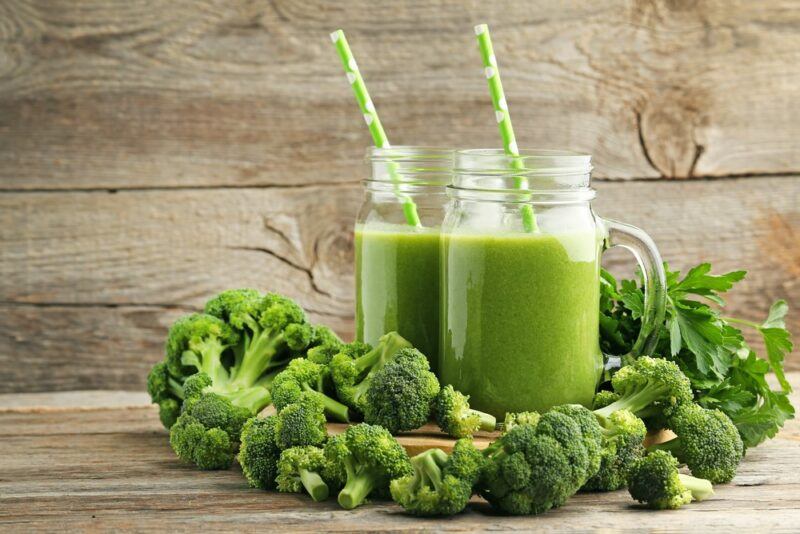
x,y
102,94
85,275
92,468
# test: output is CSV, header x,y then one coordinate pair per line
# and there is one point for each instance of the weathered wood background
x,y
154,152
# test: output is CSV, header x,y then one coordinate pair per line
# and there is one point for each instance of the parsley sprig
x,y
725,372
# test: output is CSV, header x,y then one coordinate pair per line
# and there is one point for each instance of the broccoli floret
x,y
604,398
324,345
302,375
456,418
623,436
208,431
401,393
352,369
259,452
301,423
649,387
300,467
369,457
196,343
708,443
591,433
655,481
273,329
166,391
440,484
532,468
520,418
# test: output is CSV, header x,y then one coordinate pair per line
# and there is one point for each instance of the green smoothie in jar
x,y
397,263
519,297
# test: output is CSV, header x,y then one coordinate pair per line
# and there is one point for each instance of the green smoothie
x,y
520,319
397,284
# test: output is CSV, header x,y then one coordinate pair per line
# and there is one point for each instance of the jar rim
x,y
533,170
409,153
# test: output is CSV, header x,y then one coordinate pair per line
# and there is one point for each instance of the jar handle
x,y
655,294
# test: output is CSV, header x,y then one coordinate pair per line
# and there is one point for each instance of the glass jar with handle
x,y
520,307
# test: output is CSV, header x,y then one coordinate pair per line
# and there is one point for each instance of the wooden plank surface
x,y
106,469
157,93
86,275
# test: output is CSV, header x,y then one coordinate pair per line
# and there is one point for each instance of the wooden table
x,y
101,461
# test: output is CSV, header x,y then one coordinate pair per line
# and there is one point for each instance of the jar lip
x,y
410,153
531,162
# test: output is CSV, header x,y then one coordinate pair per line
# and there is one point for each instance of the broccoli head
x,y
354,366
440,484
304,376
207,432
301,423
623,436
707,442
196,343
369,458
532,468
649,387
273,330
166,391
520,418
401,393
655,481
604,398
324,345
300,468
456,418
259,452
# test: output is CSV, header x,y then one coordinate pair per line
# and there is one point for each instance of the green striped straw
x,y
371,118
503,117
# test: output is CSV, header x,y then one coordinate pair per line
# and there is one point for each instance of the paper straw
x,y
503,117
371,118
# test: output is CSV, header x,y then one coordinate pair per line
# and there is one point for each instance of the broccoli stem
x,y
431,469
672,446
209,360
356,490
314,485
332,407
254,399
637,403
488,421
257,358
701,488
175,387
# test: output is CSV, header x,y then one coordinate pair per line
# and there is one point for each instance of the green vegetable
x,y
655,481
324,345
532,468
520,418
401,393
259,452
724,371
708,443
649,387
591,434
301,423
166,391
302,375
207,432
440,484
353,368
299,468
368,458
623,434
456,418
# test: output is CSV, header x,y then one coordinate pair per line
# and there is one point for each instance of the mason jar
x,y
397,245
520,272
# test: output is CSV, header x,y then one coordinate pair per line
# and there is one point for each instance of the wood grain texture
x,y
103,94
109,469
87,276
